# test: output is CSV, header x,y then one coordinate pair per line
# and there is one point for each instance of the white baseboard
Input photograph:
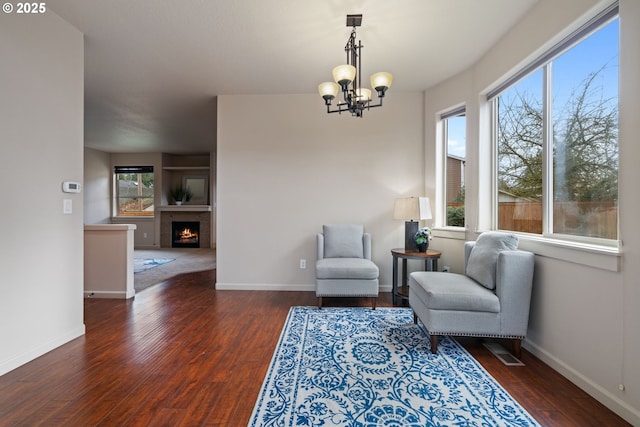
x,y
109,294
263,287
608,399
275,287
34,353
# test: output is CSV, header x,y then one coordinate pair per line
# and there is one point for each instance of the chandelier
x,y
347,78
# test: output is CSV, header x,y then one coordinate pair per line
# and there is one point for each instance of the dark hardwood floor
x,y
184,354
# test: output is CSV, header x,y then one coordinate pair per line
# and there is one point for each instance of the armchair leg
x,y
516,347
434,343
415,318
319,303
374,301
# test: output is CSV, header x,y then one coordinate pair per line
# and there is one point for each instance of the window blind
x,y
459,111
133,169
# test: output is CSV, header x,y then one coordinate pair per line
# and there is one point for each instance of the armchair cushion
x,y
346,268
343,241
450,291
481,265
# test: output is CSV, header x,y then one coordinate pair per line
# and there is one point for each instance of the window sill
x,y
596,256
455,233
602,257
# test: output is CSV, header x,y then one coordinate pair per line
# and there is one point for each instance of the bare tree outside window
x,y
583,116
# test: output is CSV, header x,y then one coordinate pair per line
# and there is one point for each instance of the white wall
x,y
285,167
629,204
41,145
584,314
97,187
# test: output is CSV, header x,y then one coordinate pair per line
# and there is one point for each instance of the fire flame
x,y
187,234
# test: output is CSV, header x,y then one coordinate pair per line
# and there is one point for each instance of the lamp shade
x,y
425,208
381,81
412,208
344,74
363,95
328,90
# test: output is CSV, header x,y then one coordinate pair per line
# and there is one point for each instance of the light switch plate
x,y
67,206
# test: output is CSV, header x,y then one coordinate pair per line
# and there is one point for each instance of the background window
x,y
519,134
557,138
134,190
454,125
585,137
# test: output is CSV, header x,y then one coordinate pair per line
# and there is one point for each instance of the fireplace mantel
x,y
184,208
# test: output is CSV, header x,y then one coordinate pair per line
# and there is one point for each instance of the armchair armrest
x,y
366,245
514,280
320,245
467,252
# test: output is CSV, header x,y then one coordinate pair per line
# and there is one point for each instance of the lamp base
x,y
410,230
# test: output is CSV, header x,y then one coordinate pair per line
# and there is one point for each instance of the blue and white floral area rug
x,y
363,367
144,264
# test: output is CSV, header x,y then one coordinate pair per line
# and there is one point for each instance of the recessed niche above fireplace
x,y
185,234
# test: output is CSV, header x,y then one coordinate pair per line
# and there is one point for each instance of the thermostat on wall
x,y
71,187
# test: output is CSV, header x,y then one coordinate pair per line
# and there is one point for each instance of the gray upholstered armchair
x,y
344,267
490,300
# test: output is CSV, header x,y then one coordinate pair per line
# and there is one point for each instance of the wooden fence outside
x,y
589,219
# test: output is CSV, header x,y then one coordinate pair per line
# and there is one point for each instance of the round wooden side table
x,y
430,258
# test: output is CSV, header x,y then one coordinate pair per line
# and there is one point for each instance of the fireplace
x,y
185,234
171,214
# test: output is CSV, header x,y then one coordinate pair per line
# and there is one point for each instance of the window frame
x,y
139,170
544,63
443,125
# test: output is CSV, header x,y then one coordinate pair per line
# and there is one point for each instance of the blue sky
x,y
457,136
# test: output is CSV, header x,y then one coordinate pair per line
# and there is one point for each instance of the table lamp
x,y
411,209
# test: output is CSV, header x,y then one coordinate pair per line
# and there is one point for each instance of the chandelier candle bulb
x,y
363,95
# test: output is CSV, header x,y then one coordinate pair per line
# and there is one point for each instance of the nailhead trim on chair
x,y
465,334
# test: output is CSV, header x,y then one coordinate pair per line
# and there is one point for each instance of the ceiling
x,y
154,67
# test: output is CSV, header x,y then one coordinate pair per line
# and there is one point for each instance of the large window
x,y
556,134
134,190
454,126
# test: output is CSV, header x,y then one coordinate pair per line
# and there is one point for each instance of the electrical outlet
x,y
303,263
144,235
446,269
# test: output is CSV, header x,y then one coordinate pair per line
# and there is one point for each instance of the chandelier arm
x,y
379,104
355,110
339,110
